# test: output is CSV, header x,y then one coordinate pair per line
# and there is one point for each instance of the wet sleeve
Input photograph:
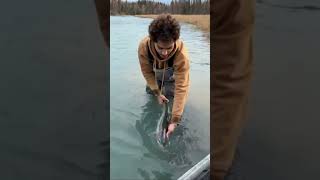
x,y
146,68
181,75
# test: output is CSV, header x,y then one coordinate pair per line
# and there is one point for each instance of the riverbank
x,y
201,21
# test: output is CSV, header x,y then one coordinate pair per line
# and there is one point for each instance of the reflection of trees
x,y
147,127
154,7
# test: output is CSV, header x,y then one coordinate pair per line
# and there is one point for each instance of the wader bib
x,y
166,82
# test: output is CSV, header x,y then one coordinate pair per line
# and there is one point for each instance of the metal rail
x,y
197,170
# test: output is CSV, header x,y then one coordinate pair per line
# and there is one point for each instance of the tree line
x,y
123,7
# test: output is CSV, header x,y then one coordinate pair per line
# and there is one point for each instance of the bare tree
x,y
153,7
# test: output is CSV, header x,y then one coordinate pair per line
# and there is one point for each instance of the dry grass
x,y
201,21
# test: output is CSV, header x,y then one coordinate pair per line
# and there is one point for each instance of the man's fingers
x,y
162,99
165,99
168,133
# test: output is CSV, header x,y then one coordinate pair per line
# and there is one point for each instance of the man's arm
x,y
231,73
181,75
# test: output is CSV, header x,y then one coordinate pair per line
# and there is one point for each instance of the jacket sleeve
x,y
181,75
101,7
147,67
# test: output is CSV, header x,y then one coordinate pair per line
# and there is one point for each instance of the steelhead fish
x,y
162,126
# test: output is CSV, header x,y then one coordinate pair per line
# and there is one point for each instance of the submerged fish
x,y
162,126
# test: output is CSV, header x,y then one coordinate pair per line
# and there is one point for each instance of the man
x,y
164,64
232,66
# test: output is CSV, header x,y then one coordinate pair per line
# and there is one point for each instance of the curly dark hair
x,y
164,28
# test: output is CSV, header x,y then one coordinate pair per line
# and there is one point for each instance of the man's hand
x,y
171,128
162,99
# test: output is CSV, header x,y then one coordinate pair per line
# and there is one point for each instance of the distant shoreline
x,y
201,21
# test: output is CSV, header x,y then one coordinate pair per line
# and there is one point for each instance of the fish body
x,y
162,126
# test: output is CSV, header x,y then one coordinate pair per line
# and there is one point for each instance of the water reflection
x,y
176,154
157,175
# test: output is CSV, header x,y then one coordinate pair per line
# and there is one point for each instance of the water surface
x,y
134,151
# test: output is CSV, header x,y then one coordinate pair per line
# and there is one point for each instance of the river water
x,y
134,114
